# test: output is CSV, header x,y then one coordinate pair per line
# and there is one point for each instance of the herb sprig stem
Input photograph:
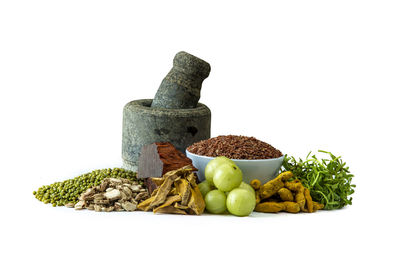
x,y
328,179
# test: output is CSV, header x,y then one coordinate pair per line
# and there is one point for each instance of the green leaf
x,y
328,180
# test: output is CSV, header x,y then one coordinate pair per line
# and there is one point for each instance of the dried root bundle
x,y
280,194
112,195
177,192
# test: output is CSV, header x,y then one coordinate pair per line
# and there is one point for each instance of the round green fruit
x,y
205,187
213,165
215,201
241,202
246,186
227,177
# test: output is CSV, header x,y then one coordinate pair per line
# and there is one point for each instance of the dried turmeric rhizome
x,y
281,195
177,192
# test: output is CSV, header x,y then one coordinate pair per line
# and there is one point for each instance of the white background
x,y
300,75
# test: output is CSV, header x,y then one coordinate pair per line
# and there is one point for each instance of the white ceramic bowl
x,y
262,169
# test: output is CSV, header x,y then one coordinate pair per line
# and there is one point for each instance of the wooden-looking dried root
x,y
196,202
171,210
178,193
113,195
183,189
180,206
162,192
145,205
70,205
168,202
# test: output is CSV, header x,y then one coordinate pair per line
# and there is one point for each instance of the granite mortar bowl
x,y
262,169
143,124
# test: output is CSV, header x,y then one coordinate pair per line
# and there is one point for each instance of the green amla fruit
x,y
68,191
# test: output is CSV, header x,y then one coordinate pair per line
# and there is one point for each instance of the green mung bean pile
x,y
68,191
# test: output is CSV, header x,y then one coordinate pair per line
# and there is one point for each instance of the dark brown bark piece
x,y
156,159
150,185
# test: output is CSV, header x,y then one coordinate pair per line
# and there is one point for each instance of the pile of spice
x,y
235,147
68,191
112,195
281,194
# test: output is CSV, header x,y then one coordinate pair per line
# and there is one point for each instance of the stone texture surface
x,y
144,124
180,89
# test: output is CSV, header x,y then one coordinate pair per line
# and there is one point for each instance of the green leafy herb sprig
x,y
328,180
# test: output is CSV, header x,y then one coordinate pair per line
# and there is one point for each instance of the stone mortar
x,y
143,125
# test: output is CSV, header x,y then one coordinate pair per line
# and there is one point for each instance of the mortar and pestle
x,y
174,115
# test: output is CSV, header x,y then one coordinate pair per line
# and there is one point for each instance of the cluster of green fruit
x,y
224,189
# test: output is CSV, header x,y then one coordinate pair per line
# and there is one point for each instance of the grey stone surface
x,y
180,89
173,116
143,124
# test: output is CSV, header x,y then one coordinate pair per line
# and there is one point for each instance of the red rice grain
x,y
235,147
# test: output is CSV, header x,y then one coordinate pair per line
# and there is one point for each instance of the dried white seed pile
x,y
112,195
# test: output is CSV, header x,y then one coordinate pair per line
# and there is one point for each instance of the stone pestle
x,y
174,115
181,87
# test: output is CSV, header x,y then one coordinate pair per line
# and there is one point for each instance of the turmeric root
x,y
285,194
284,176
294,186
273,186
317,206
288,206
258,197
309,201
298,188
291,206
270,188
269,207
256,184
300,199
281,195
